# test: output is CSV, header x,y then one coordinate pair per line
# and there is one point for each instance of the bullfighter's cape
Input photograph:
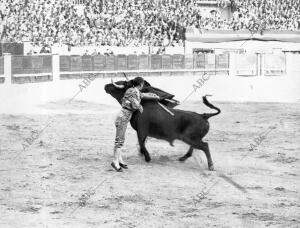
x,y
166,98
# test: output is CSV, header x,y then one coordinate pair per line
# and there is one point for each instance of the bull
x,y
189,127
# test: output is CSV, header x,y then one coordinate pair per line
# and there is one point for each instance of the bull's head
x,y
118,89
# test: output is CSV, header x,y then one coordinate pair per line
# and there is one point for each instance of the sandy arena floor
x,y
64,178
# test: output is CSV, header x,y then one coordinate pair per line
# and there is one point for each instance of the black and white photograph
x,y
149,113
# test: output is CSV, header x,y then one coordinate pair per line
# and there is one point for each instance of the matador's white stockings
x,y
118,156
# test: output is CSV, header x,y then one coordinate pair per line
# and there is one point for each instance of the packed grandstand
x,y
135,22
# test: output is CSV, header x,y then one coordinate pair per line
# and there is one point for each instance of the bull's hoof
x,y
147,158
182,159
211,168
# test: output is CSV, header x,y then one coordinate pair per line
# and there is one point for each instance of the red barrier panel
x,y
144,62
65,63
166,62
1,65
178,61
31,64
189,62
132,62
155,62
27,62
47,62
76,63
210,61
199,61
37,62
110,63
87,64
222,61
121,63
17,64
99,62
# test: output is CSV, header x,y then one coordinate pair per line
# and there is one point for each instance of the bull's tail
x,y
208,115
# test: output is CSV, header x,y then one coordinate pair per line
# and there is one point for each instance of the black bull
x,y
187,126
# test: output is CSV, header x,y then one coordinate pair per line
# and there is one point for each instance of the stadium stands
x,y
266,14
134,22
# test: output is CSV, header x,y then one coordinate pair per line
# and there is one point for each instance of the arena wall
x,y
279,83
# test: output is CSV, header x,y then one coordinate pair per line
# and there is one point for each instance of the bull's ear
x,y
128,84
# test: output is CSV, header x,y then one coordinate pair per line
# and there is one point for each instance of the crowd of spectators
x,y
259,15
135,22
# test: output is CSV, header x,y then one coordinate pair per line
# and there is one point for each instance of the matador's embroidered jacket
x,y
132,98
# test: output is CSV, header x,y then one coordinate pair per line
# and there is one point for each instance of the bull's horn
x,y
116,85
126,76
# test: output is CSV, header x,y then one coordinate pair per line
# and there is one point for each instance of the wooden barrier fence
x,y
26,69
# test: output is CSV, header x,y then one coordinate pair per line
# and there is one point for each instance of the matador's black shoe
x,y
124,166
115,167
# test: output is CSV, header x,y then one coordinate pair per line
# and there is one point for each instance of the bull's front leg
x,y
142,138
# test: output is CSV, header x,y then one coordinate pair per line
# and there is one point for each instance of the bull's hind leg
x,y
187,155
204,146
196,144
143,150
